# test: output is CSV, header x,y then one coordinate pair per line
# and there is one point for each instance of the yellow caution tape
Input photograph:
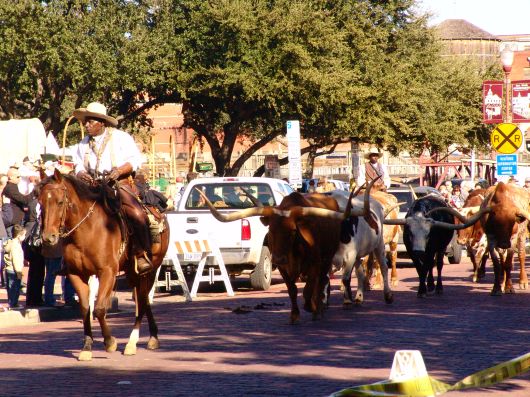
x,y
428,386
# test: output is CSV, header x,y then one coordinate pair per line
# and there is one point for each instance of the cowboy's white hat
x,y
373,150
97,110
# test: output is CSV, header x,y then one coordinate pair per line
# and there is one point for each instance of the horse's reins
x,y
64,205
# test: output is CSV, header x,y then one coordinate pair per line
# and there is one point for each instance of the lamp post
x,y
507,62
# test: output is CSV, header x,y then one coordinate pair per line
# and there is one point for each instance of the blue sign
x,y
506,164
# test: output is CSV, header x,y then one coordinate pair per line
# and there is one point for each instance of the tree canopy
x,y
368,70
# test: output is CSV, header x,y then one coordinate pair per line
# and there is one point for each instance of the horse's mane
x,y
99,193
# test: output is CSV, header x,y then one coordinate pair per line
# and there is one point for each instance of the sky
x,y
498,17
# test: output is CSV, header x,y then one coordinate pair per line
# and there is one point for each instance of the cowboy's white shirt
x,y
120,149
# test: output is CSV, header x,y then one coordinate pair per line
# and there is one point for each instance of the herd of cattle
x,y
311,235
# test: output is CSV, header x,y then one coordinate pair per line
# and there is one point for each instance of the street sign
x,y
294,153
506,164
506,138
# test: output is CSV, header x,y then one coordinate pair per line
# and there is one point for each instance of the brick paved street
x,y
207,350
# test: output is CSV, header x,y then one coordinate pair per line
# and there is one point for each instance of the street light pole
x,y
507,55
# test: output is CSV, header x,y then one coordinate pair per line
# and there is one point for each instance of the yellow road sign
x,y
506,138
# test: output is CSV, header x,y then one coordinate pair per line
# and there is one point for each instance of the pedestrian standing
x,y
53,257
14,265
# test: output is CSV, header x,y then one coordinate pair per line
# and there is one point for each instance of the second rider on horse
x,y
110,152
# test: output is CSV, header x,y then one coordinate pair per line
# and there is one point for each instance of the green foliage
x,y
368,70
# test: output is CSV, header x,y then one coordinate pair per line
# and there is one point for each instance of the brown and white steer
x,y
390,237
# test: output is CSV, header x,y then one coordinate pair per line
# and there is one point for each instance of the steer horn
x,y
399,222
461,214
247,212
390,209
466,222
414,195
254,200
354,193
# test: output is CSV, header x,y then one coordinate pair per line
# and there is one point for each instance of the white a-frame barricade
x,y
168,282
208,254
211,256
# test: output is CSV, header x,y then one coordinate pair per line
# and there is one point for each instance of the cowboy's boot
x,y
143,264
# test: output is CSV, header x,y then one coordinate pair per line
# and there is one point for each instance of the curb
x,y
14,318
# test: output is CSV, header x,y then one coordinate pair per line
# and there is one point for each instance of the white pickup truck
x,y
243,243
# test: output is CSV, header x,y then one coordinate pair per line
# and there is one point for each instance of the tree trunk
x,y
310,162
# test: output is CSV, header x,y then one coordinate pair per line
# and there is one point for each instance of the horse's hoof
x,y
439,291
389,298
495,292
523,285
377,286
422,295
509,290
153,343
130,350
475,279
112,346
85,355
394,283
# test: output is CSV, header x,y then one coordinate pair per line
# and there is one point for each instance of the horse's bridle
x,y
66,203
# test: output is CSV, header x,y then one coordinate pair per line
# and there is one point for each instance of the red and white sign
x,y
492,92
521,101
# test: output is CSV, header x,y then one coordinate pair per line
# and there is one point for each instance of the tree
x,y
61,54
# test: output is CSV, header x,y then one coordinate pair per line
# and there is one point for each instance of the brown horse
x,y
94,245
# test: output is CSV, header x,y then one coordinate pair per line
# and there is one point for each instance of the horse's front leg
x,y
141,299
82,291
106,283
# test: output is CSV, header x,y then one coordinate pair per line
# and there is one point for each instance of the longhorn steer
x,y
301,244
505,225
390,236
359,237
426,237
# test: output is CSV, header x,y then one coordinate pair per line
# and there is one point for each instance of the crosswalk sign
x,y
506,138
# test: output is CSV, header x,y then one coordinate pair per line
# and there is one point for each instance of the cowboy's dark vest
x,y
372,171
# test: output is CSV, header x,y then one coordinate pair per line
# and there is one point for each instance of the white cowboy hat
x,y
97,110
373,150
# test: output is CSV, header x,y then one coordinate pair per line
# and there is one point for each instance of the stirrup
x,y
142,265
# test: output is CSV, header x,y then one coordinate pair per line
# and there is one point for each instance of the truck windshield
x,y
231,195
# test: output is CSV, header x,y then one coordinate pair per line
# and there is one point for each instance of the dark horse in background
x,y
95,243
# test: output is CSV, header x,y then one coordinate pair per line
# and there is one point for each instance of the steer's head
x,y
289,235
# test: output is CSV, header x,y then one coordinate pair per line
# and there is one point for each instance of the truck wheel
x,y
260,278
457,254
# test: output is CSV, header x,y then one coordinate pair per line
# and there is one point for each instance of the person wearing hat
x,y
373,169
108,151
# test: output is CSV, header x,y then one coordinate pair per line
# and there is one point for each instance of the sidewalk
x,y
34,315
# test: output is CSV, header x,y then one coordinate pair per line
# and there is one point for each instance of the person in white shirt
x,y
372,169
112,153
28,175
